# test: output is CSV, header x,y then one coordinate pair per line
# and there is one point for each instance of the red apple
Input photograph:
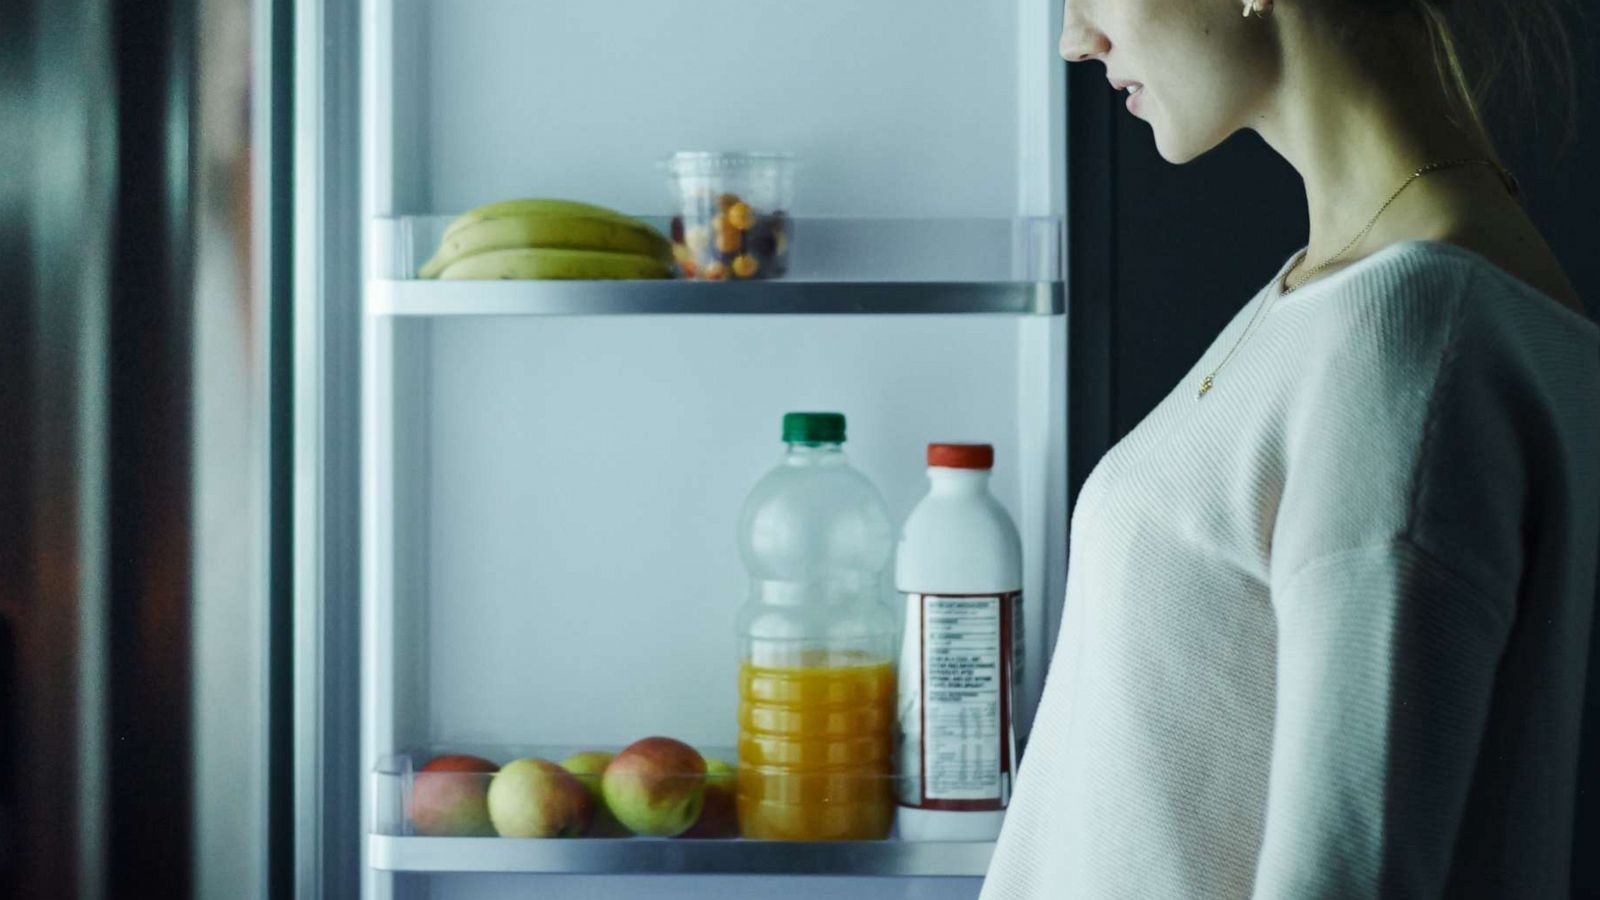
x,y
588,767
448,797
719,817
537,798
656,786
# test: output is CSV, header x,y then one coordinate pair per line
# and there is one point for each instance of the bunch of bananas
x,y
550,239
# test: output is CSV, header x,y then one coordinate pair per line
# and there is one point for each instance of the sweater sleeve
x,y
1394,563
1386,662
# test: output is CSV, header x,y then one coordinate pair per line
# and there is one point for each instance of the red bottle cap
x,y
961,456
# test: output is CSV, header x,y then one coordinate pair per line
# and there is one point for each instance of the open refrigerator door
x,y
551,468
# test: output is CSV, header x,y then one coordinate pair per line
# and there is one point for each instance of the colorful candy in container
x,y
816,678
731,221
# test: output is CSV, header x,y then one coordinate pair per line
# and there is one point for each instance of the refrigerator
x,y
297,520
551,472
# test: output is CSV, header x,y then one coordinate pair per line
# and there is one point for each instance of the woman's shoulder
x,y
1390,327
1517,256
1418,290
1383,311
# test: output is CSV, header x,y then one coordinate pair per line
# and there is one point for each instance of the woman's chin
x,y
1177,150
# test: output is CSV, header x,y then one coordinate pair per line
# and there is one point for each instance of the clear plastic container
x,y
732,220
817,676
452,794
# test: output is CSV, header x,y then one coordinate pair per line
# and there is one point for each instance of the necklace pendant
x,y
1204,387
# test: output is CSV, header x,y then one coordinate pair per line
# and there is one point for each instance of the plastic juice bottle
x,y
959,568
816,678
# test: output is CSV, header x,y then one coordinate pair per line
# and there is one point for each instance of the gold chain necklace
x,y
1506,176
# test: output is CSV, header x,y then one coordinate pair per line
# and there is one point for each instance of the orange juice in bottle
x,y
817,697
814,751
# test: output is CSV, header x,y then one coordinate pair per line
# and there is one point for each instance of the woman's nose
x,y
1079,39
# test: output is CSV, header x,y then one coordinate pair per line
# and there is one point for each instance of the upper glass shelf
x,y
935,266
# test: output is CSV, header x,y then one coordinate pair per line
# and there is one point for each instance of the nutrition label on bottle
x,y
964,726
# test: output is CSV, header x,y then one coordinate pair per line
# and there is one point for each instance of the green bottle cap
x,y
813,428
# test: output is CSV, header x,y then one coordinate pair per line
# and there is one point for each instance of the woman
x,y
1328,605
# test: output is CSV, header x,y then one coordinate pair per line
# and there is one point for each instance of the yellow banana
x,y
546,263
531,206
553,230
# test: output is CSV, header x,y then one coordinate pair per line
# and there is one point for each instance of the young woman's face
x,y
1205,70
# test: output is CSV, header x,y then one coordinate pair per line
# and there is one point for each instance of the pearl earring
x,y
1259,7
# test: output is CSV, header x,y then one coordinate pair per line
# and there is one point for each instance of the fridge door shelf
x,y
1010,266
641,856
443,299
395,844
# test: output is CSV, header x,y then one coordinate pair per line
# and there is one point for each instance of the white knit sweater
x,y
1326,628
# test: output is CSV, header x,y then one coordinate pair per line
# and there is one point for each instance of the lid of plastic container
x,y
697,162
961,456
813,428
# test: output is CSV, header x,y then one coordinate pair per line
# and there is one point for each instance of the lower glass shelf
x,y
663,856
429,820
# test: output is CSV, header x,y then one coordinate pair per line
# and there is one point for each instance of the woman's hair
x,y
1490,53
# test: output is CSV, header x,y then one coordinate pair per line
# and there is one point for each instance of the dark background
x,y
1162,256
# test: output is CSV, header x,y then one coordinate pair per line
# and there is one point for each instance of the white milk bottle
x,y
959,570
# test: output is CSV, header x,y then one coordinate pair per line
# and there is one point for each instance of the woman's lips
x,y
1135,99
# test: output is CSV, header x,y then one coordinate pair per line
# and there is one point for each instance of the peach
x,y
588,767
656,786
537,798
448,797
719,817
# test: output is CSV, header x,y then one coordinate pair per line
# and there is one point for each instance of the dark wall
x,y
1161,257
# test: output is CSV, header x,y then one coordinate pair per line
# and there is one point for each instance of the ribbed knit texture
x,y
1326,628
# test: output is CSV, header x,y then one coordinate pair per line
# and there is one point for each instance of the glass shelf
x,y
592,298
396,846
838,267
640,856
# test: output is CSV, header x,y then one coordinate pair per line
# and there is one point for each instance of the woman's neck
x,y
1356,124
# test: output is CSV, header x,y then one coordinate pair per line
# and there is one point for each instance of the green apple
x,y
719,816
537,798
448,797
656,786
588,767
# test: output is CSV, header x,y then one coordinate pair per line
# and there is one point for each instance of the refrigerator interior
x,y
552,474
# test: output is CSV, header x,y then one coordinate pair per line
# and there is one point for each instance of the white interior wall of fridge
x,y
552,548
902,108
566,516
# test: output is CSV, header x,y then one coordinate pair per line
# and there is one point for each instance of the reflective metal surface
x,y
55,251
134,613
